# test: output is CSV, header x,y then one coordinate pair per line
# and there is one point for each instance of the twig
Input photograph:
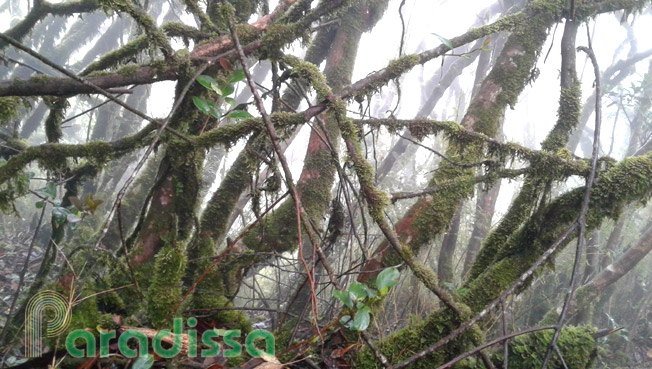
x,y
581,220
149,150
271,131
124,245
444,157
79,301
469,323
224,253
493,342
85,82
22,278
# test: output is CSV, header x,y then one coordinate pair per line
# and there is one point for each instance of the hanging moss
x,y
185,32
499,90
10,109
309,73
58,107
144,20
119,56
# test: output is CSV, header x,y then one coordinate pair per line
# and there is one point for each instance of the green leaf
x,y
344,296
237,76
358,290
362,319
230,101
40,204
51,189
204,106
240,114
347,321
445,41
207,81
73,218
143,362
383,291
216,112
227,90
370,292
60,214
387,278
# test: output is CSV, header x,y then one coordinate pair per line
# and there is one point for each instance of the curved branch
x,y
43,8
93,150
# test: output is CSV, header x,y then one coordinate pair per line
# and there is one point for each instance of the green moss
x,y
192,6
185,32
520,209
106,322
568,118
278,36
499,90
219,286
144,20
119,56
409,341
12,189
58,107
626,182
394,70
9,109
164,291
309,73
576,344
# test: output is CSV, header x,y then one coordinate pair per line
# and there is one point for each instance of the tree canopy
x,y
351,175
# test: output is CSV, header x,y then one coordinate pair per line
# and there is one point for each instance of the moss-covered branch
x,y
430,216
42,85
145,21
43,8
534,186
51,155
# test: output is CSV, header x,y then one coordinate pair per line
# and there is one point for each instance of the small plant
x,y
222,105
359,297
70,215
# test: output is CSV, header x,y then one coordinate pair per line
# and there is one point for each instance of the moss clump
x,y
576,344
409,341
106,322
309,72
58,107
219,286
119,56
164,291
10,109
17,186
144,20
568,118
185,32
